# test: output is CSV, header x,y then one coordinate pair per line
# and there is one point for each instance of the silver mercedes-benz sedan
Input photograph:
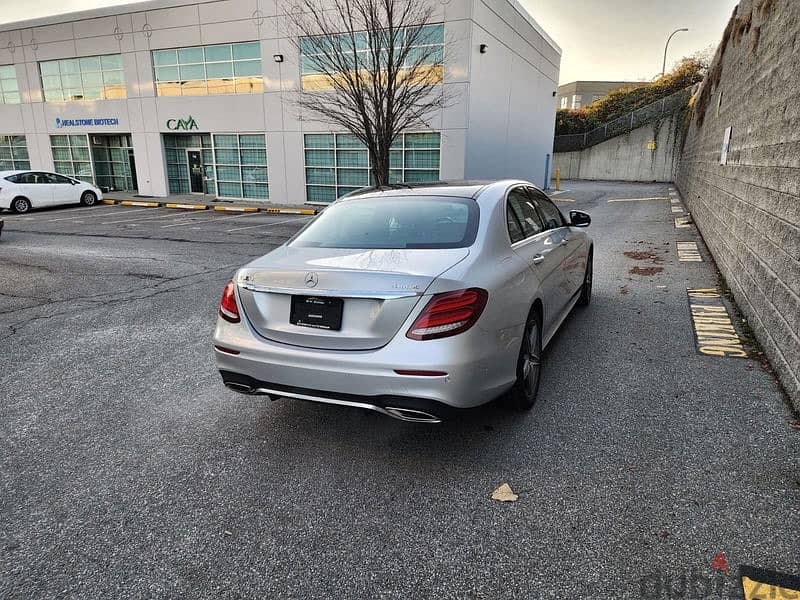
x,y
414,301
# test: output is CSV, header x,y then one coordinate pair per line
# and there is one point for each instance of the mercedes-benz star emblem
x,y
311,279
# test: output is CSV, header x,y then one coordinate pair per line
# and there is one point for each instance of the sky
x,y
604,40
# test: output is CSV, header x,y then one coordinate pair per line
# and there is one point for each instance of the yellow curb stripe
x,y
108,201
237,208
140,203
563,199
190,206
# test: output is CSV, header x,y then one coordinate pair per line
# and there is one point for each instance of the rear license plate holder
x,y
318,312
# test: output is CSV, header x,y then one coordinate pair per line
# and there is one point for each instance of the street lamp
x,y
669,39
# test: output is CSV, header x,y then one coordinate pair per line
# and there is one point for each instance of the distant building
x,y
194,96
583,93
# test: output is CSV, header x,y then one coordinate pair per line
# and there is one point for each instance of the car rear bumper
x,y
476,368
418,410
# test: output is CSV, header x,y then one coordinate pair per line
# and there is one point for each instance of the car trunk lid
x,y
373,291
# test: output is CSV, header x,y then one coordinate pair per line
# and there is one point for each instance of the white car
x,y
23,190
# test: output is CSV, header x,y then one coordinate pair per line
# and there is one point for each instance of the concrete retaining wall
x,y
748,210
627,157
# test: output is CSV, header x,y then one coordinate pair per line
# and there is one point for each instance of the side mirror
x,y
73,182
578,218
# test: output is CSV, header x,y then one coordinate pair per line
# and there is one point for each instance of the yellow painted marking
x,y
756,590
688,252
638,199
563,199
108,201
139,203
237,208
190,206
716,335
761,584
704,293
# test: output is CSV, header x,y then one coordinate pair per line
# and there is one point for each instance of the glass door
x,y
195,159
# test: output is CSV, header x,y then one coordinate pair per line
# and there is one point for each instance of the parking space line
x,y
103,214
637,199
210,216
266,224
169,215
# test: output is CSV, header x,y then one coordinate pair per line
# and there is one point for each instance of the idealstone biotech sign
x,y
92,122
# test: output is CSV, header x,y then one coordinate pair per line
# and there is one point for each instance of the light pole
x,y
669,39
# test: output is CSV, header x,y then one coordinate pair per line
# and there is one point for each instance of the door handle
x,y
565,241
538,259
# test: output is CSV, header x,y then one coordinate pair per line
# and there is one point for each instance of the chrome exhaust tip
x,y
242,388
411,415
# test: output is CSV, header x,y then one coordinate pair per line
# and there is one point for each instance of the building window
x,y
205,70
87,78
241,163
337,163
71,156
9,90
111,155
175,150
428,49
564,102
234,166
13,153
576,101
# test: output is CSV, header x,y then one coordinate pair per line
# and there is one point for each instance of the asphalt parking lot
x,y
128,470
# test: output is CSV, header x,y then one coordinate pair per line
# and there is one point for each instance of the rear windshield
x,y
397,222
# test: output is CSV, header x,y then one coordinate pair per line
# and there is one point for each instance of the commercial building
x,y
583,93
186,97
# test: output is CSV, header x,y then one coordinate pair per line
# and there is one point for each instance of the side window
x,y
525,212
14,178
549,211
26,178
58,178
514,228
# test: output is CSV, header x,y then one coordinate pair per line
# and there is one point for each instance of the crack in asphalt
x,y
125,297
281,238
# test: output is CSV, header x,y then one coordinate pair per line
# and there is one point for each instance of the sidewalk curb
x,y
234,208
237,208
185,206
139,203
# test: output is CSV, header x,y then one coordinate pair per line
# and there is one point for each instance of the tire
x,y
586,289
529,365
20,205
88,198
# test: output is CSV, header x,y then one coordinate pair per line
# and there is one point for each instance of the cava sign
x,y
182,124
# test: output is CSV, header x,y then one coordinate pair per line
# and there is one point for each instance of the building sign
x,y
85,122
182,124
651,145
726,145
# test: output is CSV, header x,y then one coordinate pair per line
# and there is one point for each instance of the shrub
x,y
624,100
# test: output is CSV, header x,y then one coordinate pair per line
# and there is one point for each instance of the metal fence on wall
x,y
624,124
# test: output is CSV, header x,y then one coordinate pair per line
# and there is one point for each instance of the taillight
x,y
448,314
228,309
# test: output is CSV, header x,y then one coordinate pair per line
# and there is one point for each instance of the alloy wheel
x,y
22,205
532,360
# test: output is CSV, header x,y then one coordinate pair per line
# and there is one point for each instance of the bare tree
x,y
376,72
